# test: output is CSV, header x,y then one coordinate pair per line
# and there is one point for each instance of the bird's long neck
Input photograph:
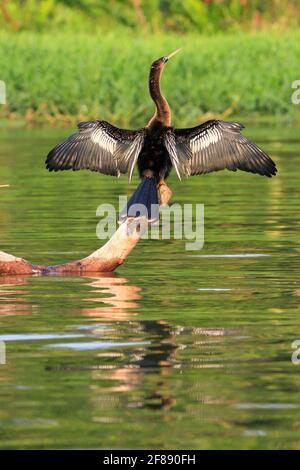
x,y
163,112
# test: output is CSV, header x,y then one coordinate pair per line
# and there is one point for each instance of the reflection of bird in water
x,y
147,371
130,370
161,354
157,148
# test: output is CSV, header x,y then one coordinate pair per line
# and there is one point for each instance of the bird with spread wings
x,y
157,148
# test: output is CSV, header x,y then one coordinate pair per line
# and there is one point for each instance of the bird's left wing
x,y
98,146
213,146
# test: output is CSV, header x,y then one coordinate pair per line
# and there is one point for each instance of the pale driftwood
x,y
105,259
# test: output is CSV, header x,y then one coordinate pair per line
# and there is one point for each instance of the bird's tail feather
x,y
143,202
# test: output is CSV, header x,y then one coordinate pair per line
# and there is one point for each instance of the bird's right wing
x,y
98,146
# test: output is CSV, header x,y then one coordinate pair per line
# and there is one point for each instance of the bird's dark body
x,y
154,155
157,147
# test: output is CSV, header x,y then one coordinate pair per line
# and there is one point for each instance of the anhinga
x,y
156,148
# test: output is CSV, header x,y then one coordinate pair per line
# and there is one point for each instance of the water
x,y
178,349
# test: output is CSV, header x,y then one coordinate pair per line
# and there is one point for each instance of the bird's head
x,y
159,63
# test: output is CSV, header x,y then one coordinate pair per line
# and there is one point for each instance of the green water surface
x,y
176,350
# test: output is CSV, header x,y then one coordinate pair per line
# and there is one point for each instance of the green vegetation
x,y
57,77
149,15
66,60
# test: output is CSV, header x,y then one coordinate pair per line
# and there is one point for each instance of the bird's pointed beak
x,y
173,53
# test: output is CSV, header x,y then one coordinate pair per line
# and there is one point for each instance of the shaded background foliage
x,y
151,15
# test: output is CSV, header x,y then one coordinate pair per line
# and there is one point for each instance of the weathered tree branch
x,y
105,259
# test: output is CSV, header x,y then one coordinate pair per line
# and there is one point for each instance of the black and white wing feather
x,y
98,146
213,146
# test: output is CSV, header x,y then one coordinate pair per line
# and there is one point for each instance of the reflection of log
x,y
110,297
116,301
107,258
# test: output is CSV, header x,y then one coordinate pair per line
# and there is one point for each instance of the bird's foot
x,y
164,193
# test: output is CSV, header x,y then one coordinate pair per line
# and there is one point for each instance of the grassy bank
x,y
55,78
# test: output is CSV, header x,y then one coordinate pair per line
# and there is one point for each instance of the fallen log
x,y
105,259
